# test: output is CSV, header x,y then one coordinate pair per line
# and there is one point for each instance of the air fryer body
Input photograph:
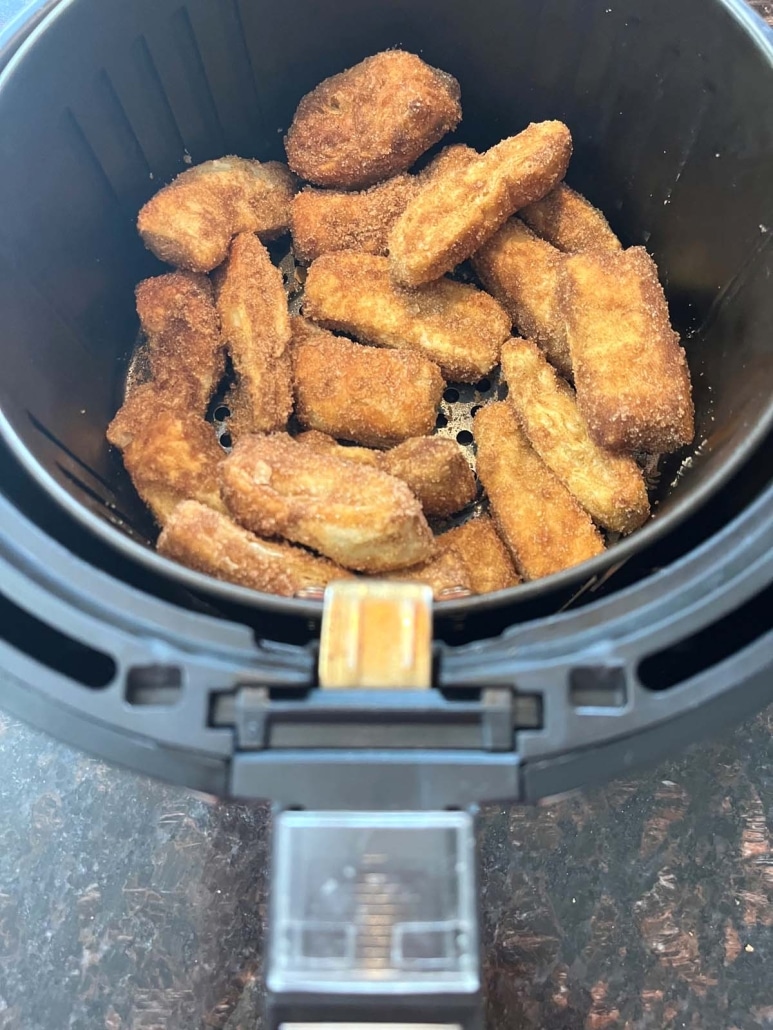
x,y
537,689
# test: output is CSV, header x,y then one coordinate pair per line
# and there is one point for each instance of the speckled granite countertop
x,y
128,905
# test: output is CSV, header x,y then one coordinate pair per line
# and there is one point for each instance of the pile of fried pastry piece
x,y
334,469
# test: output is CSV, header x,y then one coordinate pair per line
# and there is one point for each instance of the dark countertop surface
x,y
129,905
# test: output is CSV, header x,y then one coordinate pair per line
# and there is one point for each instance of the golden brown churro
x,y
171,454
237,402
371,121
325,220
524,272
458,326
256,328
185,349
191,222
453,157
364,394
432,466
446,572
483,553
631,375
370,521
326,444
209,542
544,527
436,470
609,486
569,221
459,210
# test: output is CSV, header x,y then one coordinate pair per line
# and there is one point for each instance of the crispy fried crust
x,y
209,542
445,573
609,486
544,527
523,272
436,470
432,466
256,328
569,221
371,121
359,455
171,454
238,403
451,158
483,553
178,316
306,331
370,522
457,326
456,212
191,222
631,375
325,220
364,394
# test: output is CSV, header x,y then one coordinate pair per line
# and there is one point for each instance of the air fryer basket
x,y
673,140
540,689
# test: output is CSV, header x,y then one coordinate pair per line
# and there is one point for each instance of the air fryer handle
x,y
374,920
374,914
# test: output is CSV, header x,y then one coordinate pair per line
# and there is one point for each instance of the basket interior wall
x,y
673,140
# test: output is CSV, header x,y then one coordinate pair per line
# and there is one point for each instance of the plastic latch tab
x,y
376,635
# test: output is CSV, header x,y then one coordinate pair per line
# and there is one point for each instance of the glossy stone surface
x,y
129,905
